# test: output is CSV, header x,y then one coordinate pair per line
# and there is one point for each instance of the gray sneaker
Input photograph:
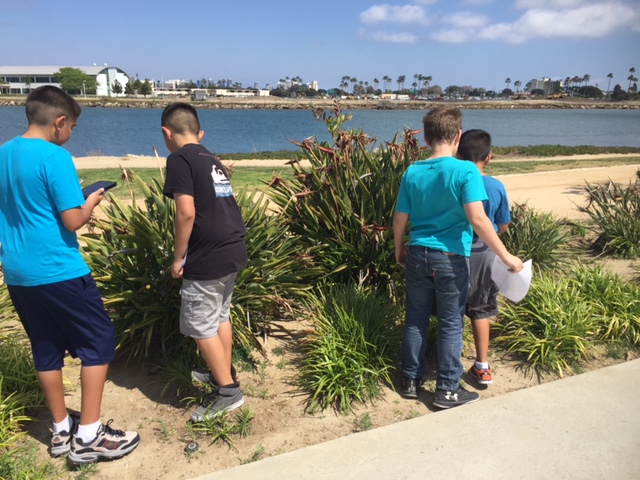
x,y
109,444
61,441
205,376
224,399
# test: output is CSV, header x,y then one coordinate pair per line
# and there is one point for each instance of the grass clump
x,y
555,327
351,351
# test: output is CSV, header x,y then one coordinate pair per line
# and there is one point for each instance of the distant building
x,y
21,80
238,92
314,85
545,84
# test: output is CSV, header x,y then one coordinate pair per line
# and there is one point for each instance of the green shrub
x,y
18,373
537,236
552,328
343,204
131,250
356,338
615,212
556,325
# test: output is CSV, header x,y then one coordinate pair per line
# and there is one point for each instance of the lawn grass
x,y
255,177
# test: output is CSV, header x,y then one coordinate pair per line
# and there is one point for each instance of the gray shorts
x,y
482,301
205,305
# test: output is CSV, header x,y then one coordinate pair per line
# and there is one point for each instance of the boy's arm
x,y
484,229
503,227
75,218
185,218
400,221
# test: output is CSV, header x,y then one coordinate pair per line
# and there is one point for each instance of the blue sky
x,y
465,42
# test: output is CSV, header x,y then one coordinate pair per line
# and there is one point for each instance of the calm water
x,y
118,132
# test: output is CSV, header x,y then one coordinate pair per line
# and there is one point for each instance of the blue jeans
x,y
433,276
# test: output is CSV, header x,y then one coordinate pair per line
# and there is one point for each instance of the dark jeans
x,y
433,276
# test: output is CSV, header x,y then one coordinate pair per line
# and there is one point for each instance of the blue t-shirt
x,y
433,193
38,181
497,206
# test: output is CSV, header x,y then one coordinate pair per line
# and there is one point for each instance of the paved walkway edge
x,y
582,427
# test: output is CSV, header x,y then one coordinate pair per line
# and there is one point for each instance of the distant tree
x,y
609,76
585,78
537,91
632,70
70,80
507,92
590,92
618,93
128,88
116,87
400,81
376,82
517,84
145,88
508,82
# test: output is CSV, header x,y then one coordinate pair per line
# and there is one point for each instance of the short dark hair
x,y
46,103
442,124
475,145
181,118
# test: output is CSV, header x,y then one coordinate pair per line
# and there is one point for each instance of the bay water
x,y
124,131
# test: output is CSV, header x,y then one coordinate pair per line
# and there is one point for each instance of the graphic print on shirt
x,y
221,183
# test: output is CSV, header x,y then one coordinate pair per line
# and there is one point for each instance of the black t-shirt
x,y
216,246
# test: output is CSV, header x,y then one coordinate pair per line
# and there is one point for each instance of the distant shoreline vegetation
x,y
275,103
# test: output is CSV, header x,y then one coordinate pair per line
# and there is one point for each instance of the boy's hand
x,y
401,256
95,198
177,268
514,263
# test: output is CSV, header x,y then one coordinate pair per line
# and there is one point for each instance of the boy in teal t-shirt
x,y
441,198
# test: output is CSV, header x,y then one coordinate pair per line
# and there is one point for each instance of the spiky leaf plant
x,y
615,213
343,204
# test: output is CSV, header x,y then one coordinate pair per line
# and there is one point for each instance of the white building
x,y
21,80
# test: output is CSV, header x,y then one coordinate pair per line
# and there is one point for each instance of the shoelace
x,y
112,431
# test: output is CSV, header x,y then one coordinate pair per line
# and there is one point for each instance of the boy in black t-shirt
x,y
209,251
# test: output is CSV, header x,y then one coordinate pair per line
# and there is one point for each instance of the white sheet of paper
x,y
514,286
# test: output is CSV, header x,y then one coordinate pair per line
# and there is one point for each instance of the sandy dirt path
x,y
555,191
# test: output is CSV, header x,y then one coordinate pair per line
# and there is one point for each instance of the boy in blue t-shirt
x,y
51,287
482,301
442,199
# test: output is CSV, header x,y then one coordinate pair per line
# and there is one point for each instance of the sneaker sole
x,y
198,417
478,379
452,405
93,457
412,395
59,451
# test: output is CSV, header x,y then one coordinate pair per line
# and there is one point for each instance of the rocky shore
x,y
276,103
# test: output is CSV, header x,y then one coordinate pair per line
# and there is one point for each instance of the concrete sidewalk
x,y
581,427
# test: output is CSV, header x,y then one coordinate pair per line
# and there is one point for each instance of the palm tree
x,y
609,76
507,81
353,81
586,79
632,70
400,82
376,81
427,81
517,84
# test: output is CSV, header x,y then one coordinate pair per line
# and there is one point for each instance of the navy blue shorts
x,y
64,317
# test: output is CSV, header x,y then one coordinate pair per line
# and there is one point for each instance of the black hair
x,y
46,103
475,145
181,118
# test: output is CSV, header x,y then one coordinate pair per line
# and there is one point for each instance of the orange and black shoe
x,y
482,375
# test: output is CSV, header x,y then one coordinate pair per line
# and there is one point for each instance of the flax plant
x,y
614,210
537,236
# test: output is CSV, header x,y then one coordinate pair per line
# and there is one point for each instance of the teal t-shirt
x,y
433,193
38,181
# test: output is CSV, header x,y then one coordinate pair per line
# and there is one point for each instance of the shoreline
x,y
278,103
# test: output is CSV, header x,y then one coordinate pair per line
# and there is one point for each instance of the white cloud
x,y
476,3
425,2
467,20
389,37
553,4
591,20
404,14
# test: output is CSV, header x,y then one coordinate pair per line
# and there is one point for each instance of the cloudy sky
x,y
465,42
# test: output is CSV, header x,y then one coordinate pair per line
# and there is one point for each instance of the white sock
x,y
63,426
86,433
482,365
